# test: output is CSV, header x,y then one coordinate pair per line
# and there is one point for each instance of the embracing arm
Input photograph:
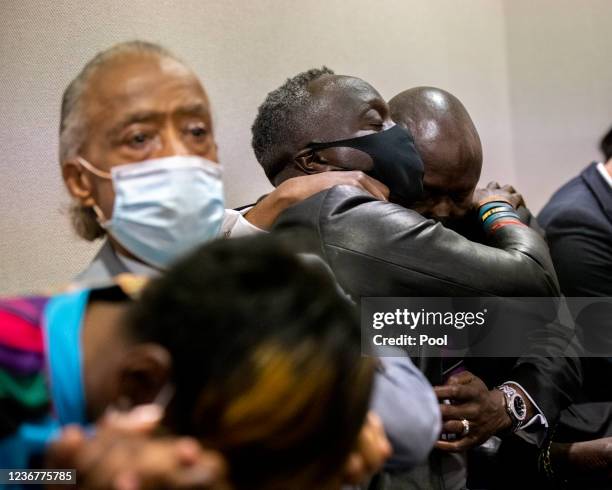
x,y
291,191
381,249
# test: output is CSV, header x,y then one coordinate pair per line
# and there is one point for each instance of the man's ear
x,y
144,373
310,161
78,182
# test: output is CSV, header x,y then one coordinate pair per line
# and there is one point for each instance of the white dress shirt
x,y
604,173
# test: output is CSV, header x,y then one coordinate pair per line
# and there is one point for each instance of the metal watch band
x,y
509,394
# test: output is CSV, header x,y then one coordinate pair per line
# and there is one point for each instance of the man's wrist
x,y
530,408
496,214
266,211
285,194
518,405
493,198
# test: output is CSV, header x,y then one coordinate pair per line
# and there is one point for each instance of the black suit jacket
x,y
377,248
578,225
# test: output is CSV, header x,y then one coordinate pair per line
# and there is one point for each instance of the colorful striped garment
x,y
41,387
26,423
41,368
24,392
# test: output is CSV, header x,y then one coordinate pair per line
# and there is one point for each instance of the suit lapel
x,y
599,187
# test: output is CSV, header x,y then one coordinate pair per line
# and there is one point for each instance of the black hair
x,y
606,145
266,358
281,120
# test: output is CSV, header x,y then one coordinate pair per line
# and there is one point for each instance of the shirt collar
x,y
63,325
604,173
136,267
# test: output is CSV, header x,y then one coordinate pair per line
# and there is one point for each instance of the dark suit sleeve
x,y
551,372
583,263
583,258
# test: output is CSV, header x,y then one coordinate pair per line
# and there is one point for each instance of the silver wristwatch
x,y
515,406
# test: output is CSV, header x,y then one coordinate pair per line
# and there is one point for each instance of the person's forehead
x,y
449,174
449,152
345,90
143,83
339,105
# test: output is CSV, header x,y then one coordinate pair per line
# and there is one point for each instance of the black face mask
x,y
397,163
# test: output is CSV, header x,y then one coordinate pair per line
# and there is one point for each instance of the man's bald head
x,y
449,145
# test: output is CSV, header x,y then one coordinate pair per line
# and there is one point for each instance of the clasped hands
x,y
470,400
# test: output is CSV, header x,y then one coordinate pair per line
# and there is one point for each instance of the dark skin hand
x,y
484,409
493,189
123,455
372,450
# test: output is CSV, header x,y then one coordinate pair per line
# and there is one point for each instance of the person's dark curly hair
x,y
266,357
606,145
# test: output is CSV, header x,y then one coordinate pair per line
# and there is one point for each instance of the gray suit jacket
x,y
103,268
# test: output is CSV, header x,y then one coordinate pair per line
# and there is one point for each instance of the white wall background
x,y
535,76
560,65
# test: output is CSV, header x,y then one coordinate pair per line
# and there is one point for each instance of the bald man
x,y
452,156
450,147
449,144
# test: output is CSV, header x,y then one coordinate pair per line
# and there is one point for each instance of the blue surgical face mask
x,y
165,207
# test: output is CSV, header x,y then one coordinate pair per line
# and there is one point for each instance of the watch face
x,y
519,408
